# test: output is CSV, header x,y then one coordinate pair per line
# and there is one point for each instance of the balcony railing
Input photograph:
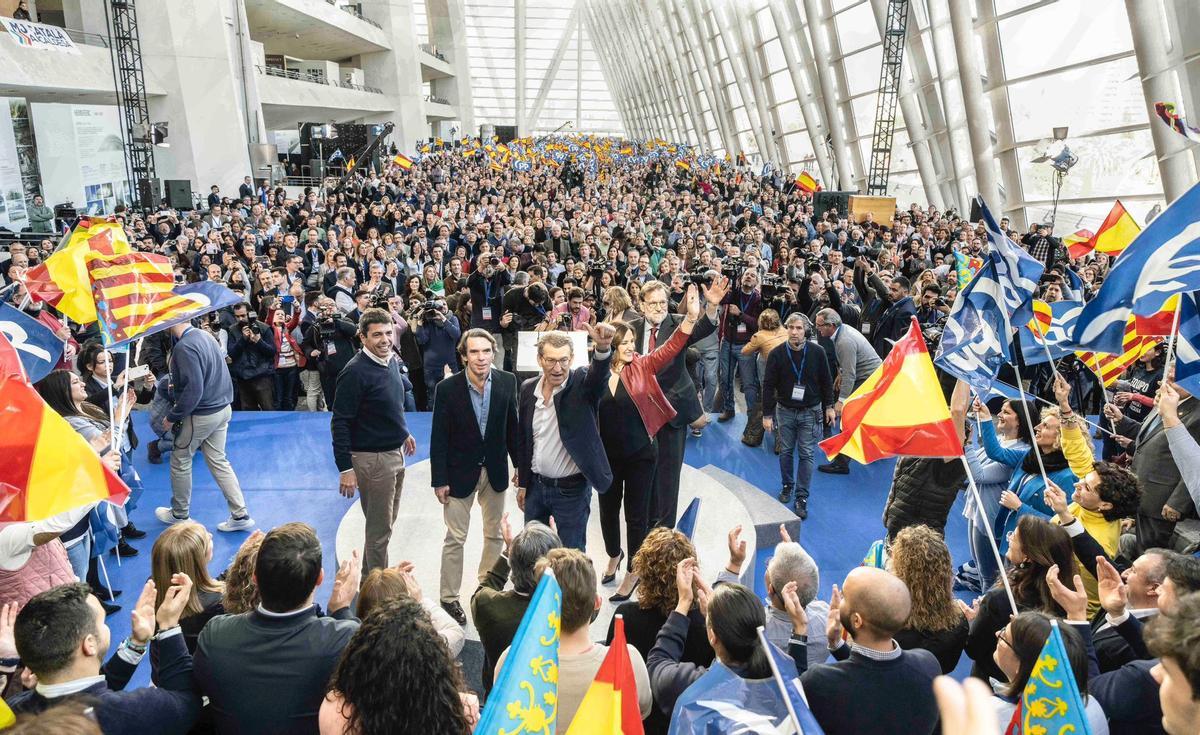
x,y
437,100
432,51
355,11
299,76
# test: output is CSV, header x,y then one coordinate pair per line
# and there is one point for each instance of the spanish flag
x,y
496,166
899,411
806,183
402,161
1116,232
62,281
1079,243
683,165
610,705
47,467
627,150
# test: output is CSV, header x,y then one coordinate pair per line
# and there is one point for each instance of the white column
x,y
818,30
519,18
950,87
397,72
686,23
684,70
1006,150
814,123
982,150
745,77
447,21
1159,75
708,34
579,71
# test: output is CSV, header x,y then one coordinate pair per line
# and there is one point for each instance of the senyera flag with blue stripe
x,y
1162,261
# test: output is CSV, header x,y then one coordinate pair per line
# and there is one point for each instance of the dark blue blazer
x,y
576,406
459,452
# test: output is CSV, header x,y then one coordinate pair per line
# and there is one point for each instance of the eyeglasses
x,y
560,362
655,303
1000,636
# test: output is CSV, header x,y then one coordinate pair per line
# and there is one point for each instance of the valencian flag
x,y
1079,243
1051,702
610,705
1163,261
402,161
965,267
1166,113
1109,366
898,411
807,183
525,696
46,467
136,296
62,281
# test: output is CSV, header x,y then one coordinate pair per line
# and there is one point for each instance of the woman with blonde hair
x,y
394,583
618,306
771,333
186,547
241,591
920,558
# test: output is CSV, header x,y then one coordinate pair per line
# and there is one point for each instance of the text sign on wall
x,y
37,35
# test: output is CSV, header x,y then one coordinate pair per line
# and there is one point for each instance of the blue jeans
x,y
79,555
799,431
985,558
706,373
746,367
570,507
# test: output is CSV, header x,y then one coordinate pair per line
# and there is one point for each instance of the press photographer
x,y
437,335
329,343
251,360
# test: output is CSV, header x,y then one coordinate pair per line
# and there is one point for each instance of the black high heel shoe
x,y
617,597
610,578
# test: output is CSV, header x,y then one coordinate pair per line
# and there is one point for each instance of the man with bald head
x,y
874,686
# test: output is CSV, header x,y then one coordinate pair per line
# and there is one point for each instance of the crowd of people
x,y
659,297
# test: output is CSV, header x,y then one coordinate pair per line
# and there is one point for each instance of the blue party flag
x,y
39,348
783,671
687,521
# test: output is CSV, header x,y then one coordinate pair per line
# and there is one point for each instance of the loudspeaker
x,y
179,194
976,210
316,168
506,133
823,201
149,193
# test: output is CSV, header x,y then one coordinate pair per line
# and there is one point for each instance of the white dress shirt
x,y
550,456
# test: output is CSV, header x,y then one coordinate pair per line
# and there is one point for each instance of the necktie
x,y
653,338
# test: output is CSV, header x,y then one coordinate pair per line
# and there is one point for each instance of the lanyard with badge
x,y
486,311
798,388
742,304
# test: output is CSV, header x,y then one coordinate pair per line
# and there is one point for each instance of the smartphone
x,y
262,260
137,371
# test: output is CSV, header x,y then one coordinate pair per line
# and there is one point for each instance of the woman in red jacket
x,y
631,412
289,359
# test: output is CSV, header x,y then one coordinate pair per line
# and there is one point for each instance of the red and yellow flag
x,y
1043,317
610,705
806,183
62,281
1109,367
899,411
133,293
1116,232
47,467
1079,243
684,165
402,161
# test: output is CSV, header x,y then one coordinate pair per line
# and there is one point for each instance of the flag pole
x,y
777,675
1170,363
1037,452
103,568
991,536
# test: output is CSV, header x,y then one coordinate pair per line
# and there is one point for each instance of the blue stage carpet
x,y
285,464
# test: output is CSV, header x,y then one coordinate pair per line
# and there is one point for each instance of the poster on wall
x,y
12,195
86,165
31,35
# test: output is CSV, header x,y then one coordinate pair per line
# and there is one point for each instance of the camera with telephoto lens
x,y
700,277
731,268
379,297
596,266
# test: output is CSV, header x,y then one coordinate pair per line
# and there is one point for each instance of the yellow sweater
x,y
1077,448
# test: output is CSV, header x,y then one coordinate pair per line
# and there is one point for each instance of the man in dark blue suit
x,y
894,321
561,455
469,459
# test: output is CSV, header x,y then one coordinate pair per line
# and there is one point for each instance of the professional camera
x,y
596,265
731,268
771,284
700,277
379,297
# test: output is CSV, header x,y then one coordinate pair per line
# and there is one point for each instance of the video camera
x,y
731,268
596,266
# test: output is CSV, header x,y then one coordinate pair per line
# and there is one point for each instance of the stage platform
x,y
285,464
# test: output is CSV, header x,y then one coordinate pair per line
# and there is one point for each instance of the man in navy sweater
x,y
370,437
797,400
203,391
62,638
875,686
